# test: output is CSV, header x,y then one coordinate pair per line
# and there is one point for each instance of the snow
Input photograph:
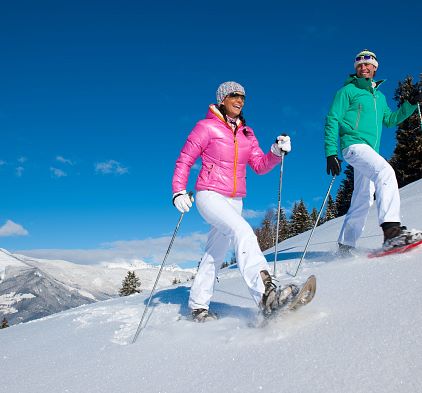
x,y
360,334
8,300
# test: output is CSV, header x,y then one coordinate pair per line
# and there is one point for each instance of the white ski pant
x,y
371,173
228,228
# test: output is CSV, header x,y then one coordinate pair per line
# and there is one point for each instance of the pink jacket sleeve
x,y
195,144
262,163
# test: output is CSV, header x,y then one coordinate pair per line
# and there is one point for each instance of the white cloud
x,y
19,171
2,162
55,172
10,228
249,213
22,160
185,249
110,167
64,160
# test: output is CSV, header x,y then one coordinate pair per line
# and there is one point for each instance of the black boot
x,y
391,230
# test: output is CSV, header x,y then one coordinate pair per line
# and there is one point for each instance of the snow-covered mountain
x,y
34,288
362,333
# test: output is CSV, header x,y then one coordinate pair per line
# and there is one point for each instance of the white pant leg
x,y
224,214
203,286
369,164
362,200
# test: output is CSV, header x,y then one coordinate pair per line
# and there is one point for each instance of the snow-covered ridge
x,y
81,284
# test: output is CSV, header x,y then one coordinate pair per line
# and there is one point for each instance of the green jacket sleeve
x,y
334,117
391,119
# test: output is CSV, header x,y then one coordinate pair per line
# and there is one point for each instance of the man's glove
x,y
183,201
415,97
281,145
333,165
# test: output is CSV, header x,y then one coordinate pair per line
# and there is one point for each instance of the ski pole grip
x,y
190,193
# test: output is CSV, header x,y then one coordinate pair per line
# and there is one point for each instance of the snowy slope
x,y
361,333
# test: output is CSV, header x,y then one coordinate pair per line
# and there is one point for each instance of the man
x,y
357,114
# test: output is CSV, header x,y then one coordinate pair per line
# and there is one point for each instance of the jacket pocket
x,y
206,172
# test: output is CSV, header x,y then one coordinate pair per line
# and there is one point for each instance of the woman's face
x,y
234,103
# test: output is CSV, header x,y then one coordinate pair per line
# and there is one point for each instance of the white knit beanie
x,y
226,88
366,57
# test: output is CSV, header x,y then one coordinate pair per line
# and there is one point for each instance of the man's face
x,y
365,70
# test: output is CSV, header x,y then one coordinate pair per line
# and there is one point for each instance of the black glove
x,y
333,165
415,97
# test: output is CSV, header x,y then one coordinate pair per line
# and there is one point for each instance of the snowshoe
x,y
401,238
290,297
203,315
305,294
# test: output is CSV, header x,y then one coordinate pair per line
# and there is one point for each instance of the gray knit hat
x,y
226,88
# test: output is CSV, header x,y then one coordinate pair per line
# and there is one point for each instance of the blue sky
x,y
98,97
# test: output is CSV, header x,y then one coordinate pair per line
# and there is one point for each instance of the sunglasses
x,y
366,57
236,95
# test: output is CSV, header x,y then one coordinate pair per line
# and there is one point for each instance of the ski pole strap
x,y
190,193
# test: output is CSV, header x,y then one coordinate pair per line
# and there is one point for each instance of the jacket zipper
x,y
235,156
235,165
358,117
376,120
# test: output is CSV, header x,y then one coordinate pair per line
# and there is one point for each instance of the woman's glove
x,y
281,146
183,201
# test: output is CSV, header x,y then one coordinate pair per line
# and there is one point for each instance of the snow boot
x,y
398,236
273,297
344,251
203,315
269,298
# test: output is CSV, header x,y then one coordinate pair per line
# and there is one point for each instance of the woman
x,y
226,145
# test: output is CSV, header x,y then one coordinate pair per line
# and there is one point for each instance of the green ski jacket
x,y
358,113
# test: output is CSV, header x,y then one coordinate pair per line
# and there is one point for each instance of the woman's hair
x,y
223,111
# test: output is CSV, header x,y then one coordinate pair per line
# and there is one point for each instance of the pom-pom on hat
x,y
366,57
226,88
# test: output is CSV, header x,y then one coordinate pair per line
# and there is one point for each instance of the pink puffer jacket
x,y
224,154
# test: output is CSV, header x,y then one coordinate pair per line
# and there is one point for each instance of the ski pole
x,y
278,212
315,225
138,330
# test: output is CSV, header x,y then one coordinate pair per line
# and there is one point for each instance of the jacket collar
x,y
363,83
214,112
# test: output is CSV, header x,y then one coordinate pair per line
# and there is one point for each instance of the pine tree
x,y
266,232
344,193
300,220
331,211
283,228
4,323
314,216
407,156
130,284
